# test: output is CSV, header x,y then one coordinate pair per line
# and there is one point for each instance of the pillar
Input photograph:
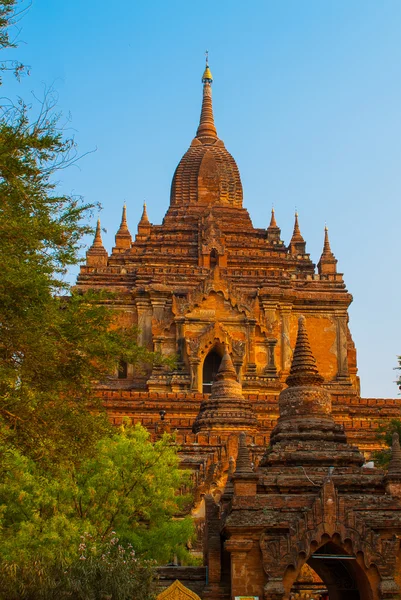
x,y
238,549
342,347
286,352
144,309
271,369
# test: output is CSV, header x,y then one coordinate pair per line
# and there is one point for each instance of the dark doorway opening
x,y
122,370
214,257
210,368
341,576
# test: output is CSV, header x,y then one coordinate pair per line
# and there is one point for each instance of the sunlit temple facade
x,y
229,301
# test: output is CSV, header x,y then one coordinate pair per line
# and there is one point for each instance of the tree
x,y
67,480
54,532
385,435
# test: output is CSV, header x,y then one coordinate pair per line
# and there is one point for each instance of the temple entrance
x,y
331,574
210,367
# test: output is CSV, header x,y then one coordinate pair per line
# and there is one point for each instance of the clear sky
x,y
307,98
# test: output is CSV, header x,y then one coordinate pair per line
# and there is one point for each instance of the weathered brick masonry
x,y
218,293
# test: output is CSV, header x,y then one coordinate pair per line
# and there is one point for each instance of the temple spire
x,y
226,369
297,243
144,225
328,262
97,241
97,255
244,464
144,219
207,127
273,222
123,236
123,224
273,231
303,367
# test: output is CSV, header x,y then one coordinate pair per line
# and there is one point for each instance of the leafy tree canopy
x,y
127,490
385,435
53,344
81,505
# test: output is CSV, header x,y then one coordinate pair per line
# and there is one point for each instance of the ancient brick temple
x,y
310,504
206,279
225,298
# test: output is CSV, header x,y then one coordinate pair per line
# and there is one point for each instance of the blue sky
x,y
307,98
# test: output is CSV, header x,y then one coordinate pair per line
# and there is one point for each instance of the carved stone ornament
x,y
214,283
192,346
212,236
180,305
160,326
177,591
238,347
275,552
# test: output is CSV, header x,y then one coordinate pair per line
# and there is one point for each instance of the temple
x,y
264,394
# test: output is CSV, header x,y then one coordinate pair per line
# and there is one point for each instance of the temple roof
x,y
207,173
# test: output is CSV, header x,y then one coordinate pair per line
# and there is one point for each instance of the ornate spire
x,y
327,263
273,231
123,236
123,224
297,243
144,219
244,464
207,127
306,433
97,241
97,255
273,220
226,408
303,368
394,467
144,225
226,369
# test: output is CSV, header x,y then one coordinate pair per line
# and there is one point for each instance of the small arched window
x,y
214,257
122,369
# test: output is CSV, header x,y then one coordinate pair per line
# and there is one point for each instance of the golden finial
x,y
207,75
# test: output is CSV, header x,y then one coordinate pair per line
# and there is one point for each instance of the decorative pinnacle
x,y
207,127
273,220
144,218
226,369
207,74
244,464
394,468
303,368
297,232
97,242
327,253
123,225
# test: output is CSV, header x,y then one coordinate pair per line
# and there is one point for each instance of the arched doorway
x,y
214,258
210,367
341,576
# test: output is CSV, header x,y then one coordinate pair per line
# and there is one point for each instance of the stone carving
x,y
180,306
275,552
177,591
212,237
238,347
193,346
160,327
230,292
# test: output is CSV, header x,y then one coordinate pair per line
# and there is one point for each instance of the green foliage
x,y
385,435
52,348
10,13
127,489
69,484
